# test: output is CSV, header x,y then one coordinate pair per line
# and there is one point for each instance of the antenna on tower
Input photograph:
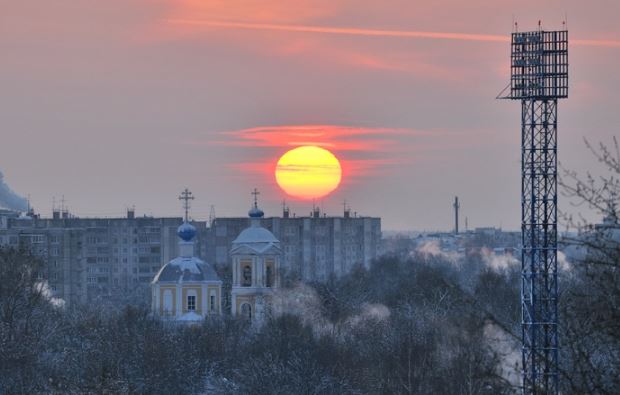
x,y
55,210
131,212
316,212
64,210
565,21
186,196
211,215
346,209
285,209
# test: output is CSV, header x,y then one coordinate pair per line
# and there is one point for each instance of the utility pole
x,y
456,206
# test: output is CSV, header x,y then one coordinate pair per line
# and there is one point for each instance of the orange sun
x,y
308,172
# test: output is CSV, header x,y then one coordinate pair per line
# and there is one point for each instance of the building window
x,y
38,239
246,311
221,254
247,276
321,231
212,302
191,303
167,301
269,276
220,230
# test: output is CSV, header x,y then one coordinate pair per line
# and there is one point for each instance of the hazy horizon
x,y
122,103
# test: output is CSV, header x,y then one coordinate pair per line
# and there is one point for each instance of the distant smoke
x,y
431,248
9,199
498,261
47,293
507,349
303,301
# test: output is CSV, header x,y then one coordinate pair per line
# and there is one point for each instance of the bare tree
x,y
590,302
27,323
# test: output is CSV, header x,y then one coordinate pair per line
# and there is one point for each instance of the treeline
x,y
401,327
421,325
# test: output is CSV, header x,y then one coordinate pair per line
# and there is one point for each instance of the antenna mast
x,y
456,206
211,215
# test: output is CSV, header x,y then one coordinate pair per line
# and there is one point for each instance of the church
x,y
256,270
186,288
189,289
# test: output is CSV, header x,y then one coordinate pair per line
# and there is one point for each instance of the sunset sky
x,y
126,102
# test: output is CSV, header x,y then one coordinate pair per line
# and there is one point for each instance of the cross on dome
x,y
255,212
255,193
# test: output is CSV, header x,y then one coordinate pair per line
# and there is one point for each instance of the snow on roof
x,y
256,248
255,234
190,264
186,269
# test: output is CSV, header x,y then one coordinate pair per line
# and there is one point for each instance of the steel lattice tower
x,y
539,77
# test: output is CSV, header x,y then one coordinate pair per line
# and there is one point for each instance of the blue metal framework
x,y
539,77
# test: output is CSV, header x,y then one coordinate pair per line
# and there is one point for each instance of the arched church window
x,y
247,276
246,311
212,300
269,276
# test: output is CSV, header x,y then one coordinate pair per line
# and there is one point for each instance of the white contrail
x,y
373,32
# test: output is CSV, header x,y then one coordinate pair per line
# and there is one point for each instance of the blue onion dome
x,y
255,212
186,231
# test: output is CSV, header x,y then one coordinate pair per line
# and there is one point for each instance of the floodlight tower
x,y
539,77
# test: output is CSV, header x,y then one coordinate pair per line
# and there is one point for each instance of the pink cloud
x,y
362,151
336,137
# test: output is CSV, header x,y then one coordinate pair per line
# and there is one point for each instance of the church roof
x,y
186,269
255,234
255,239
256,248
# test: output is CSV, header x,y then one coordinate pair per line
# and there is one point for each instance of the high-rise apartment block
x,y
100,259
313,247
90,259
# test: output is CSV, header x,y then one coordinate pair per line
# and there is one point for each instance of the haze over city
x,y
309,197
122,103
